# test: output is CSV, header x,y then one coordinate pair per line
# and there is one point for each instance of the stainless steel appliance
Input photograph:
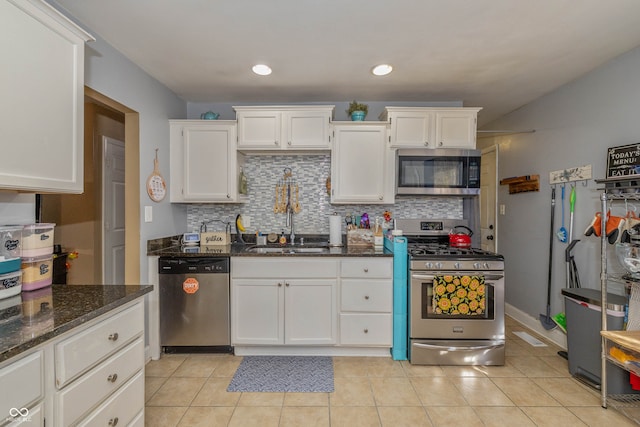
x,y
443,171
456,298
194,304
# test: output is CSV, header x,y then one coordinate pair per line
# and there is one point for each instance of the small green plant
x,y
355,106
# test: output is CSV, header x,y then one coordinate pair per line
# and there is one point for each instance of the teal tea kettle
x,y
209,115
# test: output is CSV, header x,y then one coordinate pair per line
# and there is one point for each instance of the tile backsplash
x,y
311,173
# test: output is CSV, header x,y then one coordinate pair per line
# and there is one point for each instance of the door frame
x,y
131,180
496,149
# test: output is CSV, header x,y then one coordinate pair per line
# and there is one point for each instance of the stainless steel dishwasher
x,y
194,304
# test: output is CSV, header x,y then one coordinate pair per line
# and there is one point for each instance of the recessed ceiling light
x,y
261,69
382,69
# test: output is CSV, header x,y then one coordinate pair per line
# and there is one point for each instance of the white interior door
x,y
113,228
488,199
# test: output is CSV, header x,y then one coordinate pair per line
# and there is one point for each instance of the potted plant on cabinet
x,y
357,111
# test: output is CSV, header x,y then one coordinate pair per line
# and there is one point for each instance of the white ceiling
x,y
495,54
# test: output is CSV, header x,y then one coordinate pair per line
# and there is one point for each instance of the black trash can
x,y
583,310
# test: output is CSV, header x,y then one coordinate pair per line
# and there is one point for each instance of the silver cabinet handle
x,y
441,144
366,270
380,197
286,284
275,142
279,284
289,143
112,378
366,331
366,297
113,337
113,421
426,143
228,196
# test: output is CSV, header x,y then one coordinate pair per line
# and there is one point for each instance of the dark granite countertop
x,y
170,246
32,318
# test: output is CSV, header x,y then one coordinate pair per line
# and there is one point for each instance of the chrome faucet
x,y
292,237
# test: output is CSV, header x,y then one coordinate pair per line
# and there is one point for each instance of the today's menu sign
x,y
623,161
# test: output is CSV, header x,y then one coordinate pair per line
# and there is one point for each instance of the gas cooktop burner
x,y
417,250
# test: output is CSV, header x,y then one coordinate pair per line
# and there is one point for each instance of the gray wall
x,y
574,126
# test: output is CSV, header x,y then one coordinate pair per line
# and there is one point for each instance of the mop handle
x,y
572,205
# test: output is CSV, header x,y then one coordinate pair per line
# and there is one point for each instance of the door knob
x,y
489,237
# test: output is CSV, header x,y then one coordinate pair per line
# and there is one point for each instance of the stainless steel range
x,y
456,298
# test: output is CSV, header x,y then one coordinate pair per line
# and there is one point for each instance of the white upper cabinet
x,y
361,164
284,128
42,107
204,161
427,127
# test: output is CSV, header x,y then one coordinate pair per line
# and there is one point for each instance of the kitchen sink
x,y
288,250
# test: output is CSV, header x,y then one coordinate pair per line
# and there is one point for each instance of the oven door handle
x,y
489,277
450,347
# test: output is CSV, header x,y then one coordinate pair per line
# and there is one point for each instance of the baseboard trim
x,y
556,335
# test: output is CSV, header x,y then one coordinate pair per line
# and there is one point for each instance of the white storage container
x,y
10,241
37,239
37,272
10,284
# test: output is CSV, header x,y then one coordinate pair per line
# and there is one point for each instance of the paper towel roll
x,y
335,230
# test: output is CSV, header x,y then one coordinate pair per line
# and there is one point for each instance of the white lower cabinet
x,y
366,302
99,371
23,384
120,408
90,375
311,301
283,301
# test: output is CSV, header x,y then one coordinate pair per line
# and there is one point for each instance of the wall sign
x,y
156,186
623,161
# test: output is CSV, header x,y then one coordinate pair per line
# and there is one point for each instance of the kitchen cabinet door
x,y
361,165
259,130
456,128
412,129
429,127
42,106
307,129
204,162
257,311
310,311
275,128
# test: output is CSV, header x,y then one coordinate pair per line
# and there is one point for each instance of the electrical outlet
x,y
148,213
246,221
502,209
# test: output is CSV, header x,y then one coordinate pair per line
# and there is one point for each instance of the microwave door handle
x,y
454,348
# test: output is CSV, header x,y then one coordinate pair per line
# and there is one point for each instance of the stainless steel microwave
x,y
442,171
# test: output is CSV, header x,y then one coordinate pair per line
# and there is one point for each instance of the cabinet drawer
x,y
122,407
371,295
367,267
21,382
85,349
82,395
138,421
366,329
35,417
283,267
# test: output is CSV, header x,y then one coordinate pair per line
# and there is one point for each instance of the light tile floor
x,y
534,388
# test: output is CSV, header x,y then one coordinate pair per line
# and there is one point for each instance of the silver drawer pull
x,y
366,297
113,421
366,331
112,378
366,270
113,337
279,285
